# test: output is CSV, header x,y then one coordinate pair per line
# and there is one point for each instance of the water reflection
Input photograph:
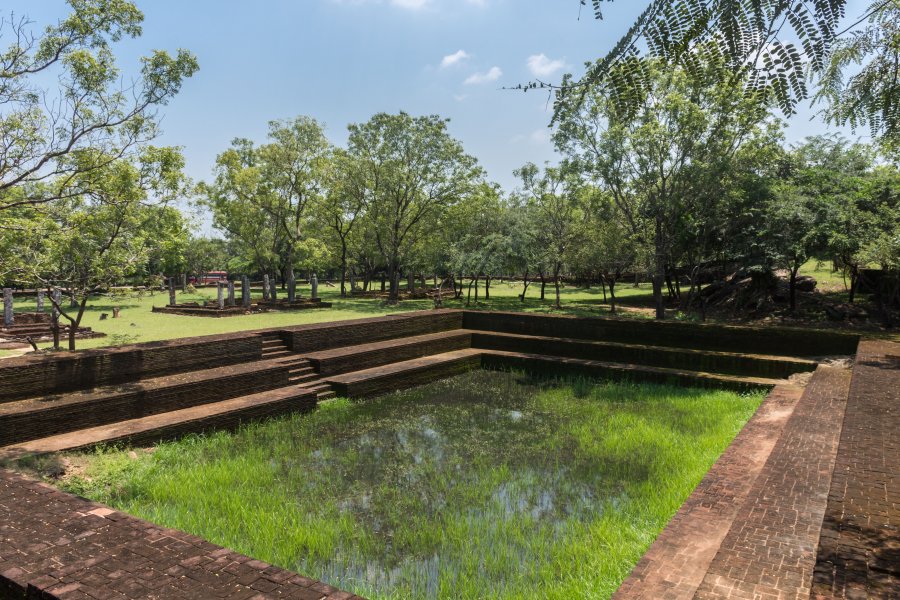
x,y
426,473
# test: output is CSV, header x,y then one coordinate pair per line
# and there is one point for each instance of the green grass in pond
x,y
483,485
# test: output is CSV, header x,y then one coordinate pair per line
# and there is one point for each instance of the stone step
x,y
301,370
613,370
328,395
303,378
676,563
730,363
268,354
859,546
226,414
375,354
770,549
404,374
34,418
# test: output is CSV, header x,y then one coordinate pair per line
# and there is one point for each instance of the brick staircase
x,y
803,504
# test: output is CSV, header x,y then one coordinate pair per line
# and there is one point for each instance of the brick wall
x,y
778,341
29,376
321,336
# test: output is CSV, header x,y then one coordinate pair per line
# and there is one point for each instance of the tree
x,y
204,254
92,241
751,38
555,200
52,139
413,171
656,160
870,95
260,195
343,206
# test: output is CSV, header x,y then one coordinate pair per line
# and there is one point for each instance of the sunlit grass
x,y
484,485
138,323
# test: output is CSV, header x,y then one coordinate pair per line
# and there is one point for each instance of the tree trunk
x,y
543,286
793,287
343,268
659,275
556,284
73,329
394,292
603,287
469,296
524,287
854,283
612,296
487,288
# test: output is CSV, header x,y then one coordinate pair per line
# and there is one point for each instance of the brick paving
x,y
675,564
770,550
55,545
859,548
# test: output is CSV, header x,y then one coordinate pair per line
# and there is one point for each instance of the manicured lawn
x,y
138,323
486,485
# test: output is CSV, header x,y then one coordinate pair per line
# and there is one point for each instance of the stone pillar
x,y
8,318
245,291
220,295
230,293
314,283
172,301
57,298
265,287
292,288
40,300
273,289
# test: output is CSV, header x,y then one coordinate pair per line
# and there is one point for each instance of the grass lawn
x,y
488,484
138,323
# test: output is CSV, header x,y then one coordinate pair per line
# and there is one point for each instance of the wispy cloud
x,y
538,137
493,74
407,4
541,65
454,59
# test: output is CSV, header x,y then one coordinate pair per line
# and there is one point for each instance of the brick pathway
x,y
770,550
55,545
677,561
859,549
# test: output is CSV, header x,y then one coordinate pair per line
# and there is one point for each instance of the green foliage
x,y
413,172
860,83
750,38
54,139
261,195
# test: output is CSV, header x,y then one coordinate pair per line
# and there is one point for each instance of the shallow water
x,y
484,485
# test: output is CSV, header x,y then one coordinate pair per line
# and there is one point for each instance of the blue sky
x,y
341,61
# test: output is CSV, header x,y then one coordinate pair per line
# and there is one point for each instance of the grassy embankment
x,y
484,485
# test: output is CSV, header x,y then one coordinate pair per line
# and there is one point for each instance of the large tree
x,y
65,112
413,170
88,243
261,195
658,161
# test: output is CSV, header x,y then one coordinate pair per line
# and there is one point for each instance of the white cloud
x,y
407,4
454,59
492,75
542,66
538,137
460,97
412,4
